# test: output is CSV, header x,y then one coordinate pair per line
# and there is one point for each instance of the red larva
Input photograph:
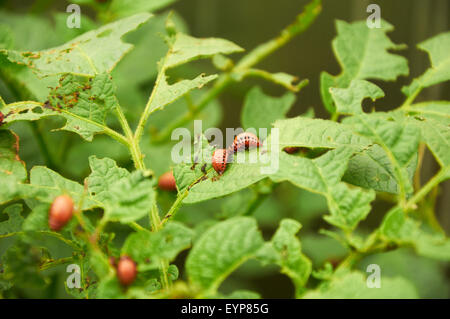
x,y
220,160
167,182
126,270
246,141
2,117
60,213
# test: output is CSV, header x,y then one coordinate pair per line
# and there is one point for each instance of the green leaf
x,y
220,250
125,196
37,220
10,163
399,140
94,52
84,104
317,133
165,93
363,54
348,100
372,168
105,173
149,249
239,294
437,48
286,80
123,8
353,286
45,185
402,230
289,255
261,110
322,175
433,120
14,222
12,169
348,206
186,48
183,49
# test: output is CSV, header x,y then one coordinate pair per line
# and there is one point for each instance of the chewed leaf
x,y
183,49
12,169
83,103
94,52
437,49
363,54
348,100
14,221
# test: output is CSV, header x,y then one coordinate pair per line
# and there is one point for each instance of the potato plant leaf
x,y
437,48
348,100
362,53
401,229
94,52
353,286
220,250
287,253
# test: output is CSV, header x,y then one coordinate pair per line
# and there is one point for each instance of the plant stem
x,y
433,182
133,147
175,207
56,262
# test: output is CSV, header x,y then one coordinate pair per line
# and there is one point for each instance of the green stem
x,y
133,147
433,182
56,262
175,207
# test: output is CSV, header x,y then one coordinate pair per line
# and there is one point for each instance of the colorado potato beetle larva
x,y
246,141
61,212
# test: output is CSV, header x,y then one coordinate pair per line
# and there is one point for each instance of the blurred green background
x,y
40,24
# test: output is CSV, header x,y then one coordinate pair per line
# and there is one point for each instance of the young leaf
x,y
261,110
289,255
437,49
220,250
348,100
148,249
400,229
353,286
183,49
94,52
363,54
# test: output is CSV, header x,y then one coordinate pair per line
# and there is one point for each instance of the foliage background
x,y
249,23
